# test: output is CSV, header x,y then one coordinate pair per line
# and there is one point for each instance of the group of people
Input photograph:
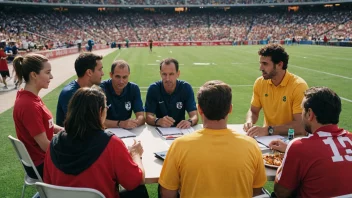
x,y
225,163
58,30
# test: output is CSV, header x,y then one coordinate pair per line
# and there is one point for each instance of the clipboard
x,y
168,131
161,155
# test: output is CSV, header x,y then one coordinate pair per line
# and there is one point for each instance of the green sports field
x,y
236,65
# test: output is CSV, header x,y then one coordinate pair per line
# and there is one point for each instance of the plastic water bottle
x,y
291,134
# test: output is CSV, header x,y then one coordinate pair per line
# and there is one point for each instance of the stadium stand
x,y
49,29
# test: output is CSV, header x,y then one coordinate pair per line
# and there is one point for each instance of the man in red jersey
x,y
319,165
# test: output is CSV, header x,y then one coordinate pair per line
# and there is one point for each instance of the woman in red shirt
x,y
87,156
4,69
33,120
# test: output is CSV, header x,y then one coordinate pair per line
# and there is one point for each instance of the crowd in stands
x,y
51,29
167,2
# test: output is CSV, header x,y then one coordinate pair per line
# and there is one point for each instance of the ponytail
x,y
18,66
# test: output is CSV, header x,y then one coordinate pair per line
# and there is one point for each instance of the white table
x,y
152,142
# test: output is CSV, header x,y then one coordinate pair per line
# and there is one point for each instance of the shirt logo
x,y
128,105
160,102
179,105
51,123
284,98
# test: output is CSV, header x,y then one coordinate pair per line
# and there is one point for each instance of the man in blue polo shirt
x,y
89,70
123,97
168,99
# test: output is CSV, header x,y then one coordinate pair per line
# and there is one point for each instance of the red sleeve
x,y
288,175
32,118
128,174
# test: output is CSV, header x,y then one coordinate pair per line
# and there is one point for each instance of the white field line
x,y
331,74
117,56
348,100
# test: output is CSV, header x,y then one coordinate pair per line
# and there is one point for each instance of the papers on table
x,y
173,131
265,140
121,133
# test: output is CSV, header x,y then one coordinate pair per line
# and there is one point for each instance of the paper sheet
x,y
121,133
267,139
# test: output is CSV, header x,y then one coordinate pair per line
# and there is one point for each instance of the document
x,y
265,140
173,131
121,133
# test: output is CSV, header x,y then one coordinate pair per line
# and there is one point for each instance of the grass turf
x,y
235,65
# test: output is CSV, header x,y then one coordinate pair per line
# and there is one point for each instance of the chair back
x,y
23,155
52,191
345,196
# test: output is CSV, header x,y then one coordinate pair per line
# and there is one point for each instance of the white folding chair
x,y
344,196
52,191
262,196
25,159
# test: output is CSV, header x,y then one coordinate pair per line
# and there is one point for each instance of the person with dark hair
x,y
89,70
4,69
123,98
214,161
168,99
278,92
84,155
307,167
33,120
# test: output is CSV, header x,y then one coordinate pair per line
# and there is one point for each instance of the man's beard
x,y
308,128
271,74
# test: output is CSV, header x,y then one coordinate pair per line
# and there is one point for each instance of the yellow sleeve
x,y
170,176
298,95
260,174
256,94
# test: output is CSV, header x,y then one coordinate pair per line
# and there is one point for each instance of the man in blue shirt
x,y
89,70
123,97
168,99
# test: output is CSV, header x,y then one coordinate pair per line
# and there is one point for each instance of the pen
x,y
170,137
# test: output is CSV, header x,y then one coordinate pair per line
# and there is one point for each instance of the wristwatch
x,y
270,130
156,120
189,120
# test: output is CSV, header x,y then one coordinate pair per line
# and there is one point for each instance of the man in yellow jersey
x,y
279,93
225,163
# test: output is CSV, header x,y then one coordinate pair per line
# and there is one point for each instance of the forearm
x,y
138,160
111,123
57,128
44,146
283,129
194,119
140,120
252,117
150,119
43,143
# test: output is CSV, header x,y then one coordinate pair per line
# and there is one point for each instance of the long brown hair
x,y
27,64
84,112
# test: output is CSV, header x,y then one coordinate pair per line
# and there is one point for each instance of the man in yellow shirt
x,y
224,163
279,93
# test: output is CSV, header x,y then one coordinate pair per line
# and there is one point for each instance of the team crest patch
x,y
128,105
284,98
179,105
